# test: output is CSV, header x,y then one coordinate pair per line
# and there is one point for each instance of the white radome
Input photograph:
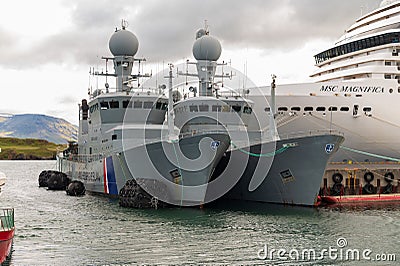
x,y
123,42
207,48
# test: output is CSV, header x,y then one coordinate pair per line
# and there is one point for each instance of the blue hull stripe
x,y
111,184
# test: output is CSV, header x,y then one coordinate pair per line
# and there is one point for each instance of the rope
x,y
384,121
352,132
270,154
370,154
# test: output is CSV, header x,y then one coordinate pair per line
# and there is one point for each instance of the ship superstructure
x,y
369,49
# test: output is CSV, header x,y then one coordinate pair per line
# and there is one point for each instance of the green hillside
x,y
36,126
28,149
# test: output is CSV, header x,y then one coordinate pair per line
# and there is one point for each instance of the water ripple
x,y
53,229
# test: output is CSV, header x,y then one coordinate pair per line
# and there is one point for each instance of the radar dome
x,y
207,48
123,42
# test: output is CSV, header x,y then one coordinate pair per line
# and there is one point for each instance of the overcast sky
x,y
47,46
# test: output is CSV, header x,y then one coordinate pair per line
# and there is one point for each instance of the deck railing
x,y
6,219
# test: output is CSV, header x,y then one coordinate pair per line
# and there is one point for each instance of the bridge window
x,y
237,108
226,108
247,110
137,104
367,109
321,109
295,109
114,104
161,105
193,108
125,104
332,109
344,109
104,105
203,108
283,109
148,105
216,108
308,109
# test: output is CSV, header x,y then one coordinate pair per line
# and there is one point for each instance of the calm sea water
x,y
54,229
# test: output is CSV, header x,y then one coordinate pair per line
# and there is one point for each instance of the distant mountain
x,y
36,126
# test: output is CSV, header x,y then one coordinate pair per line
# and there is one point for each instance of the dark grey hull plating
x,y
294,176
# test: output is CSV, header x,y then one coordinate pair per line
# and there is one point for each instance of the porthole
x,y
391,91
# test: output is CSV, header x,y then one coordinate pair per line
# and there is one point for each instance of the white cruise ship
x,y
356,90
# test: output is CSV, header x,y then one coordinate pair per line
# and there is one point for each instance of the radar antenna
x,y
124,24
206,26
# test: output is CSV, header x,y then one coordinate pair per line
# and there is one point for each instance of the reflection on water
x,y
54,229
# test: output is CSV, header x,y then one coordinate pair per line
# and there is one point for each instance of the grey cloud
x,y
67,100
166,29
7,39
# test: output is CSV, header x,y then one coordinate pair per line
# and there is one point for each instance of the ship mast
x,y
123,45
170,117
206,51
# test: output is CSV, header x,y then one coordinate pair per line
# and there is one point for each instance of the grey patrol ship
x,y
124,139
259,165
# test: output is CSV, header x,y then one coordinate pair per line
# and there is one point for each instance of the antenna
x,y
222,75
138,79
124,24
170,117
273,129
106,71
187,71
206,27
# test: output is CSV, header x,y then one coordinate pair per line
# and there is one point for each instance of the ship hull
x,y
6,240
158,162
367,119
294,176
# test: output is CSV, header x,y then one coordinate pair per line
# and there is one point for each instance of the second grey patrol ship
x,y
259,165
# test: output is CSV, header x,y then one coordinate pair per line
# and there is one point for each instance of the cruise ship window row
x,y
318,109
358,46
